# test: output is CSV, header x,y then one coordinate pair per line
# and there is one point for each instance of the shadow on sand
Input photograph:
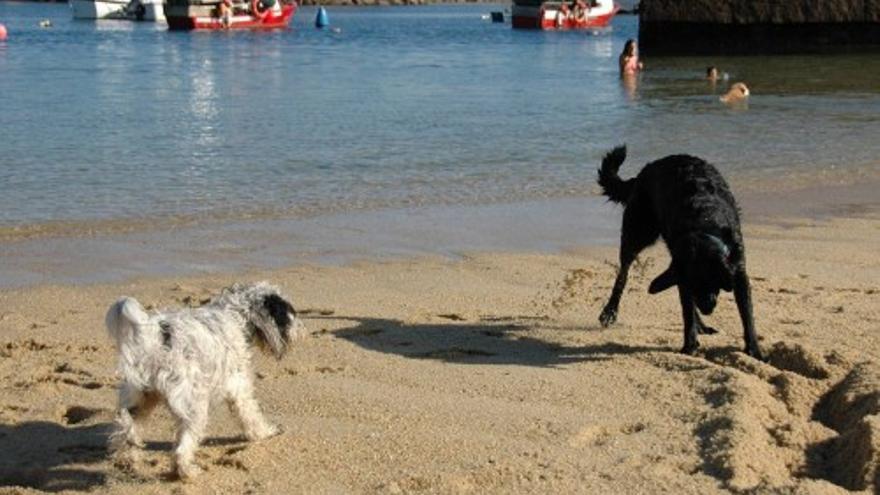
x,y
489,341
52,457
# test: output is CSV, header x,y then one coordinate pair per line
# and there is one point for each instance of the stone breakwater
x,y
669,27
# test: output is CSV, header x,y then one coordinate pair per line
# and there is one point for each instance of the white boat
x,y
132,10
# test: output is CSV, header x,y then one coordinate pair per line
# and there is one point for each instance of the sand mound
x,y
777,427
852,407
855,397
750,440
797,359
855,456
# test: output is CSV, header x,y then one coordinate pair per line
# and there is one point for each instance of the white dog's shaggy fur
x,y
192,357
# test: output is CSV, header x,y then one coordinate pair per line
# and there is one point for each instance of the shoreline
x,y
131,250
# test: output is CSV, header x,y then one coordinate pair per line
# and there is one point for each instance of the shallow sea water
x,y
126,129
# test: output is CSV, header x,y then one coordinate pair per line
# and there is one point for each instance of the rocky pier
x,y
738,27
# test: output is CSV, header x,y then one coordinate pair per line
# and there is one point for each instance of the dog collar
x,y
724,248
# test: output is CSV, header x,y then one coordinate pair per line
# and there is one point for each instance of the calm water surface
x,y
127,150
405,106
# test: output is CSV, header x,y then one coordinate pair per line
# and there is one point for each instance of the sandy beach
x,y
487,373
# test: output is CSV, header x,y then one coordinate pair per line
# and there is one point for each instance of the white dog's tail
x,y
124,317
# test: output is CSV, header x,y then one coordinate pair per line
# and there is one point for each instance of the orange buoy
x,y
2,32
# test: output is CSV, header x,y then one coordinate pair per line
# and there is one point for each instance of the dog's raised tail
x,y
617,189
125,316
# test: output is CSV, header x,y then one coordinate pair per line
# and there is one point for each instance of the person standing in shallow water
x,y
712,74
629,59
225,11
630,65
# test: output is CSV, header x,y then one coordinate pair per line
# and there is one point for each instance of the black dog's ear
x,y
663,281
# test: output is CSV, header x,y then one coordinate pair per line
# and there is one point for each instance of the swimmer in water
x,y
738,93
712,73
629,59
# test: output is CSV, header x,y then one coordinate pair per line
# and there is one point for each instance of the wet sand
x,y
114,251
487,372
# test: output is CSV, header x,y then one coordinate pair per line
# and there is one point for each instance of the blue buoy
x,y
321,20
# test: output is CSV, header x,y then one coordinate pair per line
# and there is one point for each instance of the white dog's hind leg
x,y
124,434
241,400
131,402
192,420
133,405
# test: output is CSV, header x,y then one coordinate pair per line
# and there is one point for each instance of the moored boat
x,y
564,14
228,14
132,10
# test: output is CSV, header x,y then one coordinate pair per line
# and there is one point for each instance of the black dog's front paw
x,y
608,316
755,352
690,348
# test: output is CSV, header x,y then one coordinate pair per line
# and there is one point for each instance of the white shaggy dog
x,y
193,357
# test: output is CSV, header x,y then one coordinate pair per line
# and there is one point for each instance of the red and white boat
x,y
229,14
564,14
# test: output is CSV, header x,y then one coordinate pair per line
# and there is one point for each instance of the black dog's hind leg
x,y
637,233
691,319
702,328
743,294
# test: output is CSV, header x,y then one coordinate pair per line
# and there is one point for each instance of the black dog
x,y
687,202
